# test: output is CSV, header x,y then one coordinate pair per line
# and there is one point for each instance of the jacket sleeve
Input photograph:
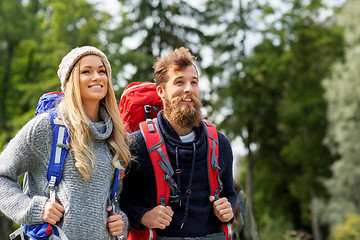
x,y
18,157
226,170
139,183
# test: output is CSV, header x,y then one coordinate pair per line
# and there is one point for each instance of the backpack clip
x,y
52,188
147,109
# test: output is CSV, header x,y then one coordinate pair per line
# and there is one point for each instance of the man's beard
x,y
182,115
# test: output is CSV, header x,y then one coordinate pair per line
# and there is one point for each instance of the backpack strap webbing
x,y
242,208
215,182
165,184
59,149
212,156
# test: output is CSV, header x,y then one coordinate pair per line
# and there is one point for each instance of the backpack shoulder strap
x,y
242,208
59,149
212,159
163,170
215,182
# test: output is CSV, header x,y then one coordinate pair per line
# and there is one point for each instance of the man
x,y
193,213
244,226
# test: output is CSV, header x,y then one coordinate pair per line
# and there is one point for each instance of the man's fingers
x,y
169,211
158,217
223,209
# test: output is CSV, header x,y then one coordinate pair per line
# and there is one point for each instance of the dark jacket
x,y
139,192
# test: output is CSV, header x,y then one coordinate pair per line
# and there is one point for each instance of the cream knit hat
x,y
69,61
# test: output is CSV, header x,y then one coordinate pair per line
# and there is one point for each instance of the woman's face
x,y
93,79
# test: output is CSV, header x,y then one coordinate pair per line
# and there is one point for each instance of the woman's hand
x,y
114,223
53,212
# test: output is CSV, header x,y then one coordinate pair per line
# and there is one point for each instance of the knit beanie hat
x,y
69,61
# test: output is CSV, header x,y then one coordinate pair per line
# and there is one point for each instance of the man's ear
x,y
160,91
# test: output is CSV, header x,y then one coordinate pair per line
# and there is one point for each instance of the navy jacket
x,y
139,188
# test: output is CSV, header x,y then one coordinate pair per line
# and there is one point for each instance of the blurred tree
x,y
303,111
343,135
15,26
228,23
147,28
273,100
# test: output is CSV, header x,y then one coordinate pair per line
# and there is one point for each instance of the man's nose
x,y
188,87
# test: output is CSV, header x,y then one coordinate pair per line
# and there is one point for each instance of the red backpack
x,y
138,102
157,150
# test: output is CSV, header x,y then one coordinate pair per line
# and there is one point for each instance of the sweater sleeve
x,y
19,157
226,170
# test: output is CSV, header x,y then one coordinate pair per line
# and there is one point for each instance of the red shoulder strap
x,y
213,168
212,159
159,159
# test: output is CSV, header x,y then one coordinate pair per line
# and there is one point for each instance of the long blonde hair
x,y
81,143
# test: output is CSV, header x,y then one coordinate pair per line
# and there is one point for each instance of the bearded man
x,y
193,212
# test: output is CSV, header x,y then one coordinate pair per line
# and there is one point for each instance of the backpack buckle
x,y
147,108
52,188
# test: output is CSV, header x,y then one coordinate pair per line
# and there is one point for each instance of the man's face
x,y
180,95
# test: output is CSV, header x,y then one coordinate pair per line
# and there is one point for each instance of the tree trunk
x,y
315,218
316,231
249,172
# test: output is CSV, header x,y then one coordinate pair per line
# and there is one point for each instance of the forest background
x,y
280,78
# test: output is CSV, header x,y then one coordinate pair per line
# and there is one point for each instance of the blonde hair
x,y
81,143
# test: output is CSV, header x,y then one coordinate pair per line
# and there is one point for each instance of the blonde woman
x,y
98,144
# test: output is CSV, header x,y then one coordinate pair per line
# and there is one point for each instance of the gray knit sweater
x,y
84,201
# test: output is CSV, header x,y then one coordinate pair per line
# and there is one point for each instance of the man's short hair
x,y
177,60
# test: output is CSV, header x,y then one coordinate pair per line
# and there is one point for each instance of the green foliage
x,y
348,230
273,228
276,103
342,95
297,235
148,28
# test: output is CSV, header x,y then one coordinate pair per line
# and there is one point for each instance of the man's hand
x,y
222,209
158,217
114,223
53,212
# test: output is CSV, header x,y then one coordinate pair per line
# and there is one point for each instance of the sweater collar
x,y
185,149
103,129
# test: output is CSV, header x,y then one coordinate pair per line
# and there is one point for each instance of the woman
x,y
98,144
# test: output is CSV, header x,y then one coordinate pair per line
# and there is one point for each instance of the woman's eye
x,y
85,71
